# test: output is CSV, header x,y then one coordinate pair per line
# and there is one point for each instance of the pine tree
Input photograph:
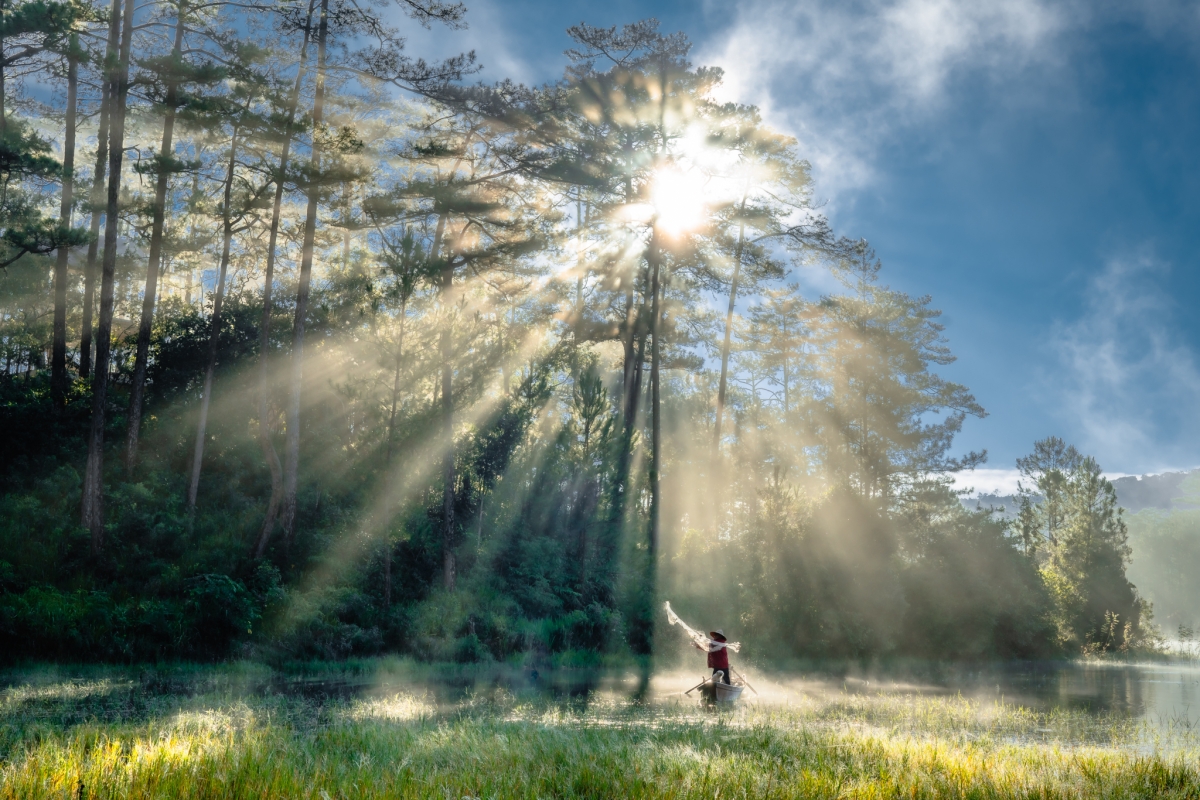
x,y
385,62
118,91
1075,522
236,112
779,332
96,199
31,32
876,396
175,75
286,134
772,211
58,364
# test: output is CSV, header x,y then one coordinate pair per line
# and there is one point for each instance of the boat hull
x,y
727,693
722,692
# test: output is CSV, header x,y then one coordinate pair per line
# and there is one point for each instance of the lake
x,y
1159,693
1163,694
1166,693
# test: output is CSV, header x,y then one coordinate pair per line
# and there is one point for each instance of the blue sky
x,y
1034,166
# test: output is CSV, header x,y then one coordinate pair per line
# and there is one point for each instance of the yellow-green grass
x,y
233,734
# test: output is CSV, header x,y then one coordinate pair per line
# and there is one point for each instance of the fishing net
x,y
702,641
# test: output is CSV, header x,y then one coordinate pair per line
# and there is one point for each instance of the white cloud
x,y
842,76
987,481
1129,385
922,41
489,37
1002,482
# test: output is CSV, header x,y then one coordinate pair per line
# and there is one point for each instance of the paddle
x,y
697,686
743,677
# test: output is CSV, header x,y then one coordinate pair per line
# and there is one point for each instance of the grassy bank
x,y
245,731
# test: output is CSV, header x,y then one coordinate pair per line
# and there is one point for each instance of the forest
x,y
317,348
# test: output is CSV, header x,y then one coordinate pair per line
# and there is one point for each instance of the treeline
x,y
1166,550
312,348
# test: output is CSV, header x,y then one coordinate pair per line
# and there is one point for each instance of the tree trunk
x,y
3,87
607,551
58,358
387,497
396,385
347,200
716,496
448,473
446,347
725,345
627,345
654,264
96,198
214,334
580,227
628,401
292,463
641,623
655,257
630,387
192,283
787,405
93,482
165,152
387,574
264,329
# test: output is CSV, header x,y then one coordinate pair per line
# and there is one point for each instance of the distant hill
x,y
1170,490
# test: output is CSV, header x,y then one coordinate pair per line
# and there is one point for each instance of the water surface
x,y
1165,694
1158,693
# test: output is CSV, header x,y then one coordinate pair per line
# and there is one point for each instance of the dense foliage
x,y
354,357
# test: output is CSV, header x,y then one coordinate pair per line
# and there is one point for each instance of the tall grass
x,y
243,731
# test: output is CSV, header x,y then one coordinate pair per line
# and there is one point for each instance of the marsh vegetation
x,y
392,729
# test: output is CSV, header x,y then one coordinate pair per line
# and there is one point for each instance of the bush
x,y
47,623
220,610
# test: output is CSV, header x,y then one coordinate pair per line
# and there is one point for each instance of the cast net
x,y
702,641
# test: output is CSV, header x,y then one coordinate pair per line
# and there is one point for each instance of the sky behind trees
x,y
1030,165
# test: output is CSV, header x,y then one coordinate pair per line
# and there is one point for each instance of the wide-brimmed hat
x,y
718,634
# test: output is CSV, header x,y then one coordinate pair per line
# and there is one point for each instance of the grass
x,y
365,732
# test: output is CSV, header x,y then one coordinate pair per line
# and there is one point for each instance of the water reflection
x,y
1161,693
1165,693
450,686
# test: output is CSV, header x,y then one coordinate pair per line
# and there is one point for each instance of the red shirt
x,y
719,659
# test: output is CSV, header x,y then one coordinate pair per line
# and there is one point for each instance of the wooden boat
x,y
719,692
727,692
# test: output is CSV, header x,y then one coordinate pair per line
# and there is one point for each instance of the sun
x,y
678,197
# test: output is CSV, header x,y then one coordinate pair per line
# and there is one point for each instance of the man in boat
x,y
718,655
